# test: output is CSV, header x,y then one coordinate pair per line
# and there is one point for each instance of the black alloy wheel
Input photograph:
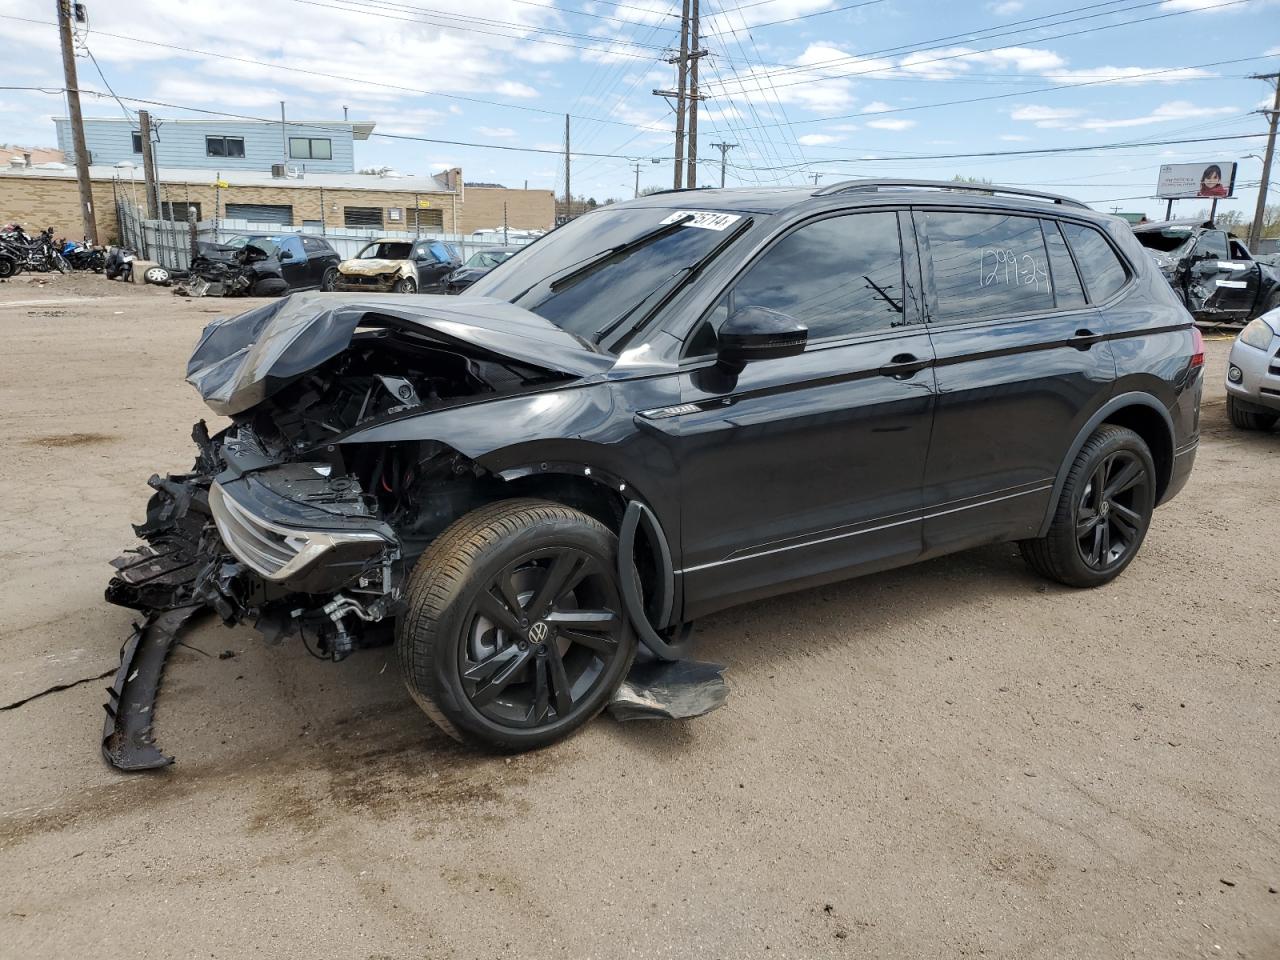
x,y
540,637
1109,515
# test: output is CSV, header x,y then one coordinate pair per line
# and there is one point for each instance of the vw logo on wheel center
x,y
538,632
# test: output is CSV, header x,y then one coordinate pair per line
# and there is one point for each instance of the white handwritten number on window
x,y
997,265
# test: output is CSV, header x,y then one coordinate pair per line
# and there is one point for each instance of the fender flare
x,y
1133,398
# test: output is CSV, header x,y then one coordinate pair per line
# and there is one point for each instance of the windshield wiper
x,y
684,273
598,261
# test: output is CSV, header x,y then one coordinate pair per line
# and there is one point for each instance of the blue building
x,y
323,146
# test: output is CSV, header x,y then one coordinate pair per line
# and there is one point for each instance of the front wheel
x,y
1246,419
515,634
60,263
406,285
1103,512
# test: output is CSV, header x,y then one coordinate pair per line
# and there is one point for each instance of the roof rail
x,y
847,186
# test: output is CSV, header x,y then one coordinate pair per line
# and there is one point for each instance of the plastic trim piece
x,y
629,581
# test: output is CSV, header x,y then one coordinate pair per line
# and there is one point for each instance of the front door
x,y
1219,285
1022,364
293,263
805,469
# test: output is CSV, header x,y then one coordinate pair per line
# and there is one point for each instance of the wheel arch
x,y
1142,413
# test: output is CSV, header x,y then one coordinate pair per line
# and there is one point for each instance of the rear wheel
x,y
1248,419
7,268
330,280
406,285
515,634
1103,512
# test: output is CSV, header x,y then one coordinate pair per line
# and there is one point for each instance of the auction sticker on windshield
x,y
704,220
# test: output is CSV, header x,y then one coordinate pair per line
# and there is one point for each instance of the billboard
x,y
1214,179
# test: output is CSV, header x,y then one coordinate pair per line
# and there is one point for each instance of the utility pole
x,y
1260,211
724,149
148,165
682,68
568,194
816,178
77,122
636,167
691,177
284,136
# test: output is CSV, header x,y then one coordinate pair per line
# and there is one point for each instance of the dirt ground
x,y
952,760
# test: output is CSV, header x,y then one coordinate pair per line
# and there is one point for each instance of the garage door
x,y
279,214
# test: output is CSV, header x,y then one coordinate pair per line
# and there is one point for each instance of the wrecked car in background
x,y
261,266
1213,272
399,266
477,265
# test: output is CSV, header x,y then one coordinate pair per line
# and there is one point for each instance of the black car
x,y
477,265
1212,271
664,408
262,265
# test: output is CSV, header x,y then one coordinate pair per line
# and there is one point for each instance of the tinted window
x,y
838,276
1067,290
987,265
1212,245
1100,266
315,246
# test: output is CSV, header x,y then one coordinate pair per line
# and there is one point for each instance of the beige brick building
x,y
37,198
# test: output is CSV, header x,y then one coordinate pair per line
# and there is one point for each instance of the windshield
x,y
1164,241
552,279
487,258
385,250
239,240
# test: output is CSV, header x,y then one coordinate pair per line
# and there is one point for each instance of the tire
x,y
60,263
406,285
512,549
7,268
1093,536
329,280
157,275
269,287
1246,419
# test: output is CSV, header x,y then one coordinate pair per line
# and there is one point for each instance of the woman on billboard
x,y
1211,182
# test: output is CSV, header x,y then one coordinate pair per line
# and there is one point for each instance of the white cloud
x,y
817,140
1023,59
891,124
877,106
495,131
1047,117
1174,110
1006,8
1195,5
1130,75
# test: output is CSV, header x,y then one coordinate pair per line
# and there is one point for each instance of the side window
x,y
838,276
1100,267
294,246
1067,290
1212,245
312,246
1238,252
987,265
439,251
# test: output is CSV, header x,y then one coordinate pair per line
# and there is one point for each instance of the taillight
x,y
1197,347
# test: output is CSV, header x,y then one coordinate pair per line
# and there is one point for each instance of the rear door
x,y
320,256
1021,365
808,468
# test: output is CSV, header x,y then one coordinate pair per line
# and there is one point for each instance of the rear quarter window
x,y
1101,268
987,265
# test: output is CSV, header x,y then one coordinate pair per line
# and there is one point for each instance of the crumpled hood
x,y
371,268
240,361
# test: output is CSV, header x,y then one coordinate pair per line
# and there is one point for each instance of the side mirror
x,y
286,255
758,333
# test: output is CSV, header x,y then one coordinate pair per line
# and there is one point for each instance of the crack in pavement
x,y
60,686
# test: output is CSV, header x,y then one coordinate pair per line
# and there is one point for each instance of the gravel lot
x,y
951,760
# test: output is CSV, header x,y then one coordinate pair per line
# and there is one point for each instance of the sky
x,y
832,89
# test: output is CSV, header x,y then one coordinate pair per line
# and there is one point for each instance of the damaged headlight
x,y
275,551
1257,334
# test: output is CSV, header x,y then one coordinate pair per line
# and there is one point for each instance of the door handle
x,y
1084,339
903,366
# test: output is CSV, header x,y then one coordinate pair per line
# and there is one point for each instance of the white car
x,y
1253,374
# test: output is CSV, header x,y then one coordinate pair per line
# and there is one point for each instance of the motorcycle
x,y
119,264
34,253
81,256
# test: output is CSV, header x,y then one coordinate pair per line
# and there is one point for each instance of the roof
x,y
244,178
1156,226
360,129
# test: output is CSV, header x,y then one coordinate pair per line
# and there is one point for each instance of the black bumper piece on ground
x,y
127,741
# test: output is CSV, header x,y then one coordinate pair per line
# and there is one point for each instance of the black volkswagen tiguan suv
x,y
664,408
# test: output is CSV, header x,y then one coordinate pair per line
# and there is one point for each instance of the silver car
x,y
1253,374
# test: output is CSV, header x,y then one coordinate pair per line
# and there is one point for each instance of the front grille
x,y
363,281
264,549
